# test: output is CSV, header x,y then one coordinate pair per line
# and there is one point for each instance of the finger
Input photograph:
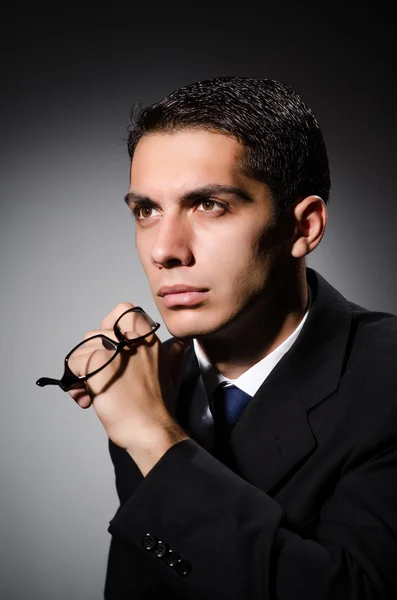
x,y
96,351
81,397
108,332
93,343
111,318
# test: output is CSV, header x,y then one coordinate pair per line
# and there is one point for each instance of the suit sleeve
x,y
208,533
129,573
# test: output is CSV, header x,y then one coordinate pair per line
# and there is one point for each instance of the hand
x,y
134,396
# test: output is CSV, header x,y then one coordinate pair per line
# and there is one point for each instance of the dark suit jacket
x,y
310,510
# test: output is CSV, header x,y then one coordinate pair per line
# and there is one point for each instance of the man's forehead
x,y
185,160
189,142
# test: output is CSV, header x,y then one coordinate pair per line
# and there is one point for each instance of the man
x,y
286,486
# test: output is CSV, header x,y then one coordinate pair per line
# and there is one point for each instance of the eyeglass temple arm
x,y
47,381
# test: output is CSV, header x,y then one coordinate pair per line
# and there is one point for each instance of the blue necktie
x,y
229,403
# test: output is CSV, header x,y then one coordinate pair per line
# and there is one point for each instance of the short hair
x,y
284,145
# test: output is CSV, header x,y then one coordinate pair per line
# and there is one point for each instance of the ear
x,y
310,220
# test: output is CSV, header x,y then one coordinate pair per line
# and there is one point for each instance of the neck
x,y
260,329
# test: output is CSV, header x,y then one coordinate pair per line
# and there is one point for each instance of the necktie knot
x,y
229,405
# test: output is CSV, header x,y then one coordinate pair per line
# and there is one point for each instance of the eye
x,y
211,206
144,212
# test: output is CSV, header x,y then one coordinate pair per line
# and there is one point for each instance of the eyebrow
x,y
201,193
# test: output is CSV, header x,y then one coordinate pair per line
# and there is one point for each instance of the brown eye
x,y
145,212
212,206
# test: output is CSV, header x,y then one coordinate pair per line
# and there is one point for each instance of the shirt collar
x,y
252,379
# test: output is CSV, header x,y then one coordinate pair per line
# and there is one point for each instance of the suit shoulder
x,y
372,352
373,327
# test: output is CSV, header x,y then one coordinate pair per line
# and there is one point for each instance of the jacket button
x,y
149,542
171,558
182,567
161,549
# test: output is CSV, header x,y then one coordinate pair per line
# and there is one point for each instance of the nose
x,y
172,246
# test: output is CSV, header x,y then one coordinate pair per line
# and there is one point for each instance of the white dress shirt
x,y
200,416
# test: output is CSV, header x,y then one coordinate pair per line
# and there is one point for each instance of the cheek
x,y
236,270
246,262
143,245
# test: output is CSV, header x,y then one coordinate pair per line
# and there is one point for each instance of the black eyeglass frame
x,y
70,381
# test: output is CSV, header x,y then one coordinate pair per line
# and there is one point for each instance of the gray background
x,y
67,242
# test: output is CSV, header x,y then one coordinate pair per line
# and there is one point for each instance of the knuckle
x,y
115,313
124,306
89,334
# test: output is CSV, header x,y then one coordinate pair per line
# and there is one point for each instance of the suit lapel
x,y
273,434
318,356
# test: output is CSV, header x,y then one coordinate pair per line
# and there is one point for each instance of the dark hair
x,y
284,145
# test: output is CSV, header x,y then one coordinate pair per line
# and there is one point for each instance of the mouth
x,y
182,295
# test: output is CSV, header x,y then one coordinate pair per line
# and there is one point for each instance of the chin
x,y
180,331
197,325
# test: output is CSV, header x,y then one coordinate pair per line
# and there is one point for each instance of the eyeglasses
x,y
131,327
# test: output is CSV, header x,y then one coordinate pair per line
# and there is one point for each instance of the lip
x,y
178,289
182,295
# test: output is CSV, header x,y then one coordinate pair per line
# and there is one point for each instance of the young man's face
x,y
201,225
